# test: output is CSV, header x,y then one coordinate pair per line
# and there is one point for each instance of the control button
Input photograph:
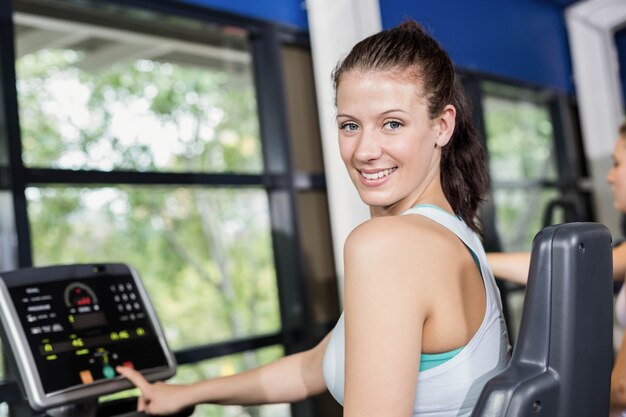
x,y
108,372
129,364
86,377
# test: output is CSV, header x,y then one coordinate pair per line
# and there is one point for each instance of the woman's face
x,y
617,175
390,146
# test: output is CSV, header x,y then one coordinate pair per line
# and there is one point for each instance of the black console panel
x,y
69,326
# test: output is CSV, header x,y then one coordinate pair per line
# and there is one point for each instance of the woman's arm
x,y
619,262
510,266
386,305
291,378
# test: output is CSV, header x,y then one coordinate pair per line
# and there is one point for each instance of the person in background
x,y
514,267
422,328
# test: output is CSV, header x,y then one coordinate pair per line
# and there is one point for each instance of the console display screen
x,y
79,328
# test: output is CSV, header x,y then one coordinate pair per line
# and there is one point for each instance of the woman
x,y
422,328
514,266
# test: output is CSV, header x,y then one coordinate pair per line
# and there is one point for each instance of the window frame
x,y
278,178
571,181
572,174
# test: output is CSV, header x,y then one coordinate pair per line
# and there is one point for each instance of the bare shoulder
x,y
401,247
398,266
395,236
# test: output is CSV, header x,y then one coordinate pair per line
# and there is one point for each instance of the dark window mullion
x,y
570,163
274,137
299,180
200,353
62,176
276,155
10,134
531,183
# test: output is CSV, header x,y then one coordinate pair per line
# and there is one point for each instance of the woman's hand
x,y
156,398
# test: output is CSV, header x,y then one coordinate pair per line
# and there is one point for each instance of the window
x,y
204,253
533,185
144,140
107,100
229,365
521,148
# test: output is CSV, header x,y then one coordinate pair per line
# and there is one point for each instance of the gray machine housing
x,y
561,362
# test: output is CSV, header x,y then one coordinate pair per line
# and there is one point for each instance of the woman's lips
x,y
376,176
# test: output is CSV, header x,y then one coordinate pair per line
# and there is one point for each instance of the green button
x,y
108,372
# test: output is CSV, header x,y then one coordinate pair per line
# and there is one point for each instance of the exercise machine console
x,y
67,327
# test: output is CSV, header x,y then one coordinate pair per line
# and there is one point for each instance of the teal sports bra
x,y
430,360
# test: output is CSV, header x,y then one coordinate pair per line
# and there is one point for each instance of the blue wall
x,y
524,40
520,39
285,12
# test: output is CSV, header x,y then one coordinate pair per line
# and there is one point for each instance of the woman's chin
x,y
374,201
619,206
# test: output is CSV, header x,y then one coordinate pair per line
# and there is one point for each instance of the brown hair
x,y
408,48
622,129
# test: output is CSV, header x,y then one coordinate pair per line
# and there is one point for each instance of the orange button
x,y
129,364
86,377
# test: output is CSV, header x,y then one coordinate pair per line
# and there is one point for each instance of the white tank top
x,y
452,388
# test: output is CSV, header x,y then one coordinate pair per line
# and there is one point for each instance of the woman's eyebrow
x,y
382,114
393,111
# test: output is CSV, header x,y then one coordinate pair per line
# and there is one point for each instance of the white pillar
x,y
334,27
591,27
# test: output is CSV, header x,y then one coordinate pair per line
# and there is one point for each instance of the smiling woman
x,y
413,155
388,142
